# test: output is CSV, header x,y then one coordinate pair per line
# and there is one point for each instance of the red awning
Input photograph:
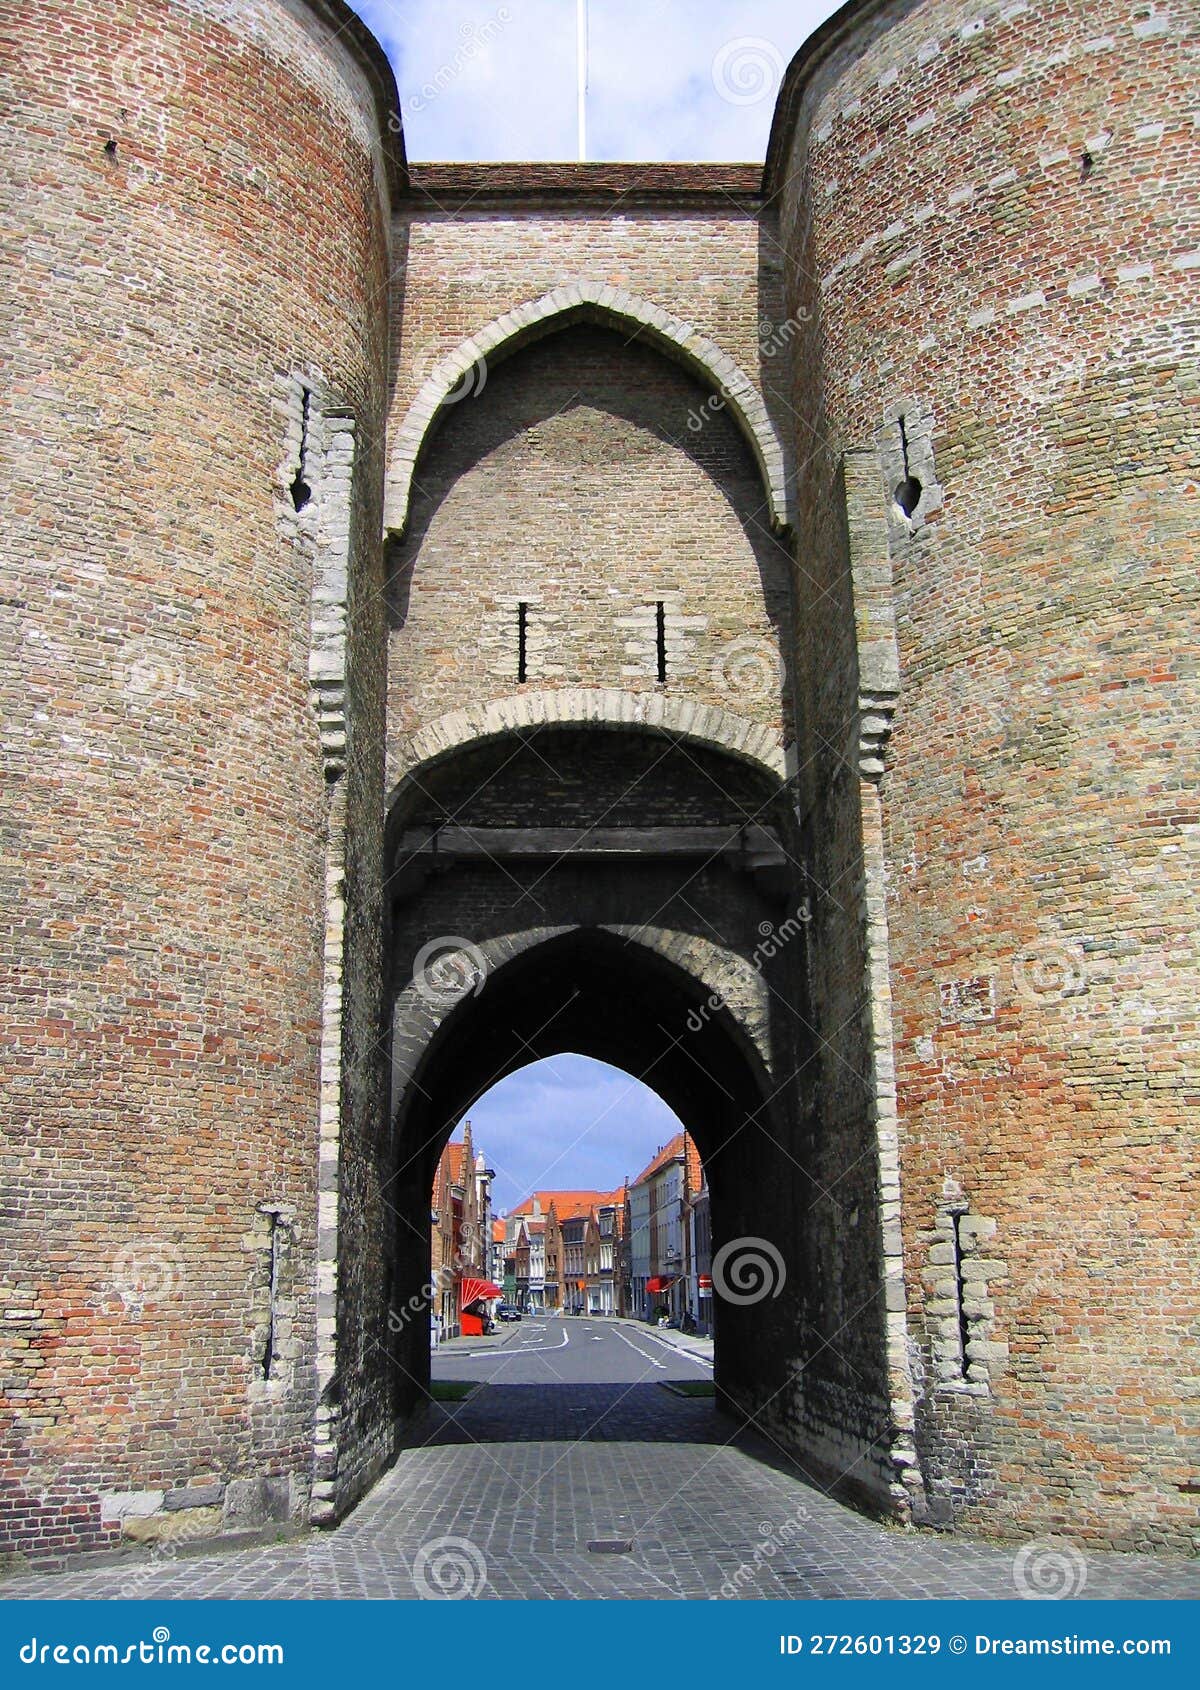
x,y
478,1290
661,1283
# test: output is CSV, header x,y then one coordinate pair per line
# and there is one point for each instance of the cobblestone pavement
x,y
501,1495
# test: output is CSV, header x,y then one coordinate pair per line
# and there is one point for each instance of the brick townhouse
x,y
663,1271
461,1215
575,1237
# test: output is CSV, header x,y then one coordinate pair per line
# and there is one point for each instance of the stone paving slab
x,y
498,1497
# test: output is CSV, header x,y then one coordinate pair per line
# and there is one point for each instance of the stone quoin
x,y
569,573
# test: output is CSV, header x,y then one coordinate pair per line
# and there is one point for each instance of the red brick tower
x,y
985,216
196,203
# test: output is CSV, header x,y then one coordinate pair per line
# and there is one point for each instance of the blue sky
x,y
568,1122
668,79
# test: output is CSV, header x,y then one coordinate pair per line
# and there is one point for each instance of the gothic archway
x,y
589,301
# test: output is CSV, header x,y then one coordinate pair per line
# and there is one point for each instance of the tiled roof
x,y
695,1174
454,186
682,1145
670,1152
566,1203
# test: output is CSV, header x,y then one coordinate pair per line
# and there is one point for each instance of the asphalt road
x,y
570,1350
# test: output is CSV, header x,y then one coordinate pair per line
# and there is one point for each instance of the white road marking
x,y
676,1349
626,1339
515,1349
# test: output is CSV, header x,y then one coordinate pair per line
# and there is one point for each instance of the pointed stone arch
x,y
586,301
606,707
725,981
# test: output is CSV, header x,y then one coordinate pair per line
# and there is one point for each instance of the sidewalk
x,y
494,1341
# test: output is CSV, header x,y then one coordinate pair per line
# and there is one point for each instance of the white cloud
x,y
690,80
568,1123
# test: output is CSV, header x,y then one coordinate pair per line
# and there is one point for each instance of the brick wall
x,y
197,205
985,211
572,484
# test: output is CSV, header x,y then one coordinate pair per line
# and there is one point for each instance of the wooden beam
x,y
754,846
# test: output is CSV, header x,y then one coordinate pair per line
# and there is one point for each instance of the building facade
x,y
832,531
461,1230
664,1279
701,1288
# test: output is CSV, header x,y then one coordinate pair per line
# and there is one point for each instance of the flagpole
x,y
581,73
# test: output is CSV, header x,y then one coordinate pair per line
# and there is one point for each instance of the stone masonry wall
x,y
990,213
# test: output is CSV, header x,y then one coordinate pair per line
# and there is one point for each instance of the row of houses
x,y
643,1250
562,1251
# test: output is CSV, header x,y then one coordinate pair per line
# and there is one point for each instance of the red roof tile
x,y
682,1145
566,1203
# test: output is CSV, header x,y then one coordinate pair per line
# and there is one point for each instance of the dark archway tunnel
x,y
599,994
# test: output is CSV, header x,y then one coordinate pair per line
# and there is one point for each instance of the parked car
x,y
506,1311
